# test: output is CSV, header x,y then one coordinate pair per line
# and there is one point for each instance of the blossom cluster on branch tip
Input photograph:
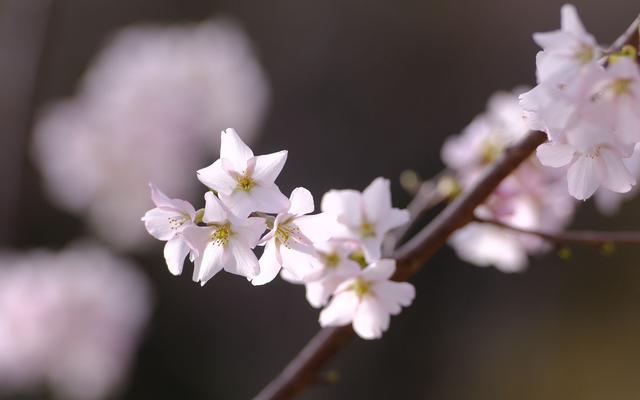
x,y
588,102
336,253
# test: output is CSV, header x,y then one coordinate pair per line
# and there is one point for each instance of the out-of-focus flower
x,y
368,300
365,217
146,111
532,197
167,222
609,202
226,242
69,321
243,182
290,244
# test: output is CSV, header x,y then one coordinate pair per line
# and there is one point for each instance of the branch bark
x,y
303,370
590,238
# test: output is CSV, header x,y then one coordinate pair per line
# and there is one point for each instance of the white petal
x,y
240,203
555,154
197,238
214,212
318,228
380,270
372,247
234,149
175,251
570,21
211,262
377,199
582,178
269,199
393,295
371,320
243,260
301,202
216,178
298,263
269,265
340,310
613,173
346,205
394,218
250,230
157,223
161,200
268,167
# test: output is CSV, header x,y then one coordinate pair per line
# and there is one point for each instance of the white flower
x,y
565,51
167,222
336,267
290,244
368,300
225,242
365,216
244,182
609,202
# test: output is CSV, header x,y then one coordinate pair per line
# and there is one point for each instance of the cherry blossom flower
x,y
565,51
145,111
244,182
225,243
290,243
336,267
365,216
368,300
69,321
609,202
167,222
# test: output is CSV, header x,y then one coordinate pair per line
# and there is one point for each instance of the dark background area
x,y
359,89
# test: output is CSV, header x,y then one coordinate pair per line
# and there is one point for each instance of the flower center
x,y
360,287
358,256
245,182
332,260
286,232
176,222
584,55
489,151
367,229
221,235
621,86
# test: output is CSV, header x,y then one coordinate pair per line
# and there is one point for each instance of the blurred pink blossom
x,y
149,109
69,321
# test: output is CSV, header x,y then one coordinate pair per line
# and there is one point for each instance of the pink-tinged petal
x,y
550,40
157,223
372,247
393,295
197,238
394,218
345,205
370,320
317,228
214,212
242,260
614,175
318,293
555,154
628,128
340,310
301,202
299,263
234,149
240,203
158,197
213,259
377,199
250,230
380,270
570,21
268,167
175,251
216,178
269,199
582,178
269,265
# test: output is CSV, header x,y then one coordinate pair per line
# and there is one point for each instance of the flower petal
x,y
269,265
157,223
269,199
215,177
175,251
370,320
250,230
212,261
379,270
340,310
377,199
214,212
242,260
234,149
268,167
614,174
345,205
582,178
393,295
555,154
301,202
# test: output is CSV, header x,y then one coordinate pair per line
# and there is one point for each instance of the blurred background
x,y
97,98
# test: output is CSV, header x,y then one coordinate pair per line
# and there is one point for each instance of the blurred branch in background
x,y
23,27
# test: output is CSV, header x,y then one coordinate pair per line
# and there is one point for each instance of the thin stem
x,y
590,238
304,369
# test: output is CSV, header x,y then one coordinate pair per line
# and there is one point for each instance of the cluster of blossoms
x,y
532,197
144,112
69,322
588,102
336,254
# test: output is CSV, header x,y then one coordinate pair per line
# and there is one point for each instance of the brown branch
x,y
591,238
303,370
